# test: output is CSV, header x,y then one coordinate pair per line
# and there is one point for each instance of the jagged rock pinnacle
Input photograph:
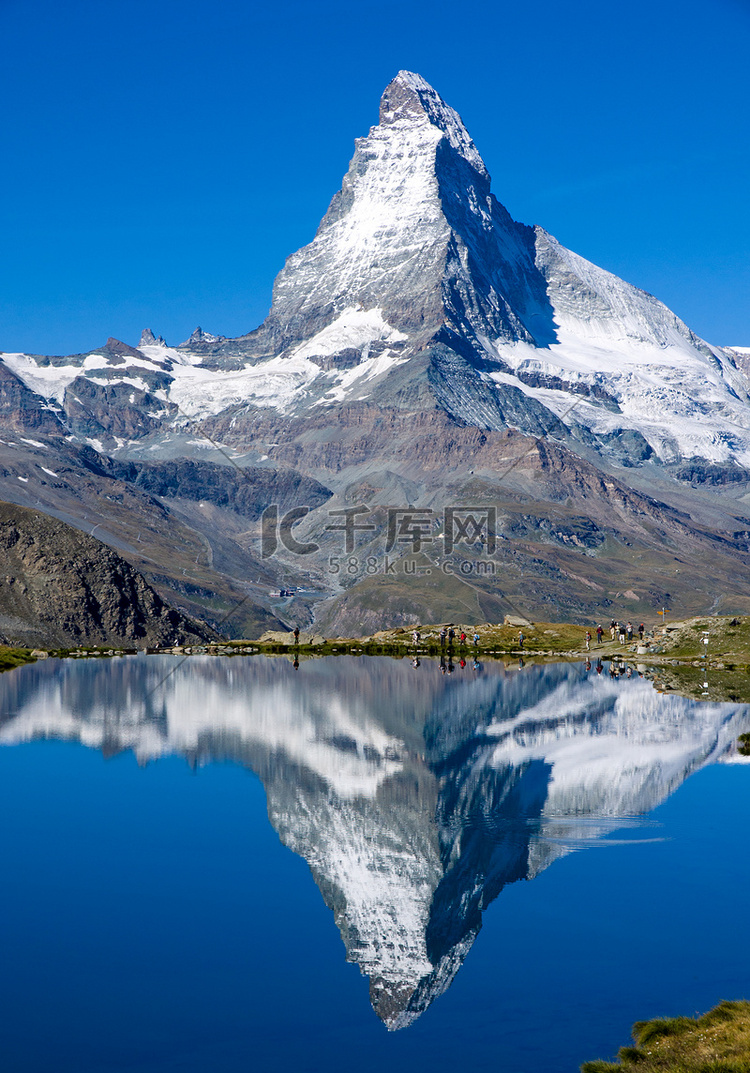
x,y
199,336
149,339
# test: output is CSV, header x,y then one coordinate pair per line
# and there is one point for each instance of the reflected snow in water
x,y
414,797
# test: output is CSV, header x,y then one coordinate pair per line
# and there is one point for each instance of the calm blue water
x,y
152,919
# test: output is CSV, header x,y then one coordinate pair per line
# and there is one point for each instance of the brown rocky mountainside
x,y
59,586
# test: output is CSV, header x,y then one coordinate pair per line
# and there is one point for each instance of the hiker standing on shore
x,y
612,628
641,628
599,632
630,631
588,640
521,639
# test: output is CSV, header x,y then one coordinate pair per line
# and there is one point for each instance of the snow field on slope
x,y
353,328
674,396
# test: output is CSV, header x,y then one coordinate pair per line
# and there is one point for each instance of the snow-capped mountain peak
x,y
410,98
418,273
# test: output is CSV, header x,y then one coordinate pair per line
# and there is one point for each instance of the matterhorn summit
x,y
418,280
414,233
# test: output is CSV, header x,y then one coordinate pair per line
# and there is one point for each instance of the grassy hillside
x,y
14,657
728,638
717,1042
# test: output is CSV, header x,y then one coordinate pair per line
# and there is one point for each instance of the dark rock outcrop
x,y
247,491
22,410
59,586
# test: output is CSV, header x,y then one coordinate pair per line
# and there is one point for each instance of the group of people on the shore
x,y
624,632
447,636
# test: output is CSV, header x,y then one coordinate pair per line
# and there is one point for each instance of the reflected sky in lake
x,y
414,797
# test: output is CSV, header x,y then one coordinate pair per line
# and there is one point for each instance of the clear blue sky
x,y
161,159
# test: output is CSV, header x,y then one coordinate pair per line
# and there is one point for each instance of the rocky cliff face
x,y
21,408
61,587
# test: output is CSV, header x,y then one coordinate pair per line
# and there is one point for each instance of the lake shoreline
x,y
672,659
680,643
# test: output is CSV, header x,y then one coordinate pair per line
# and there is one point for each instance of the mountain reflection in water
x,y
414,798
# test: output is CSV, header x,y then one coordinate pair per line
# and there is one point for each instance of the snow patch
x,y
134,381
352,329
365,371
683,403
275,383
49,381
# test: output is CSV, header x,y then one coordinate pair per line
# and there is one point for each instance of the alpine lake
x,y
223,863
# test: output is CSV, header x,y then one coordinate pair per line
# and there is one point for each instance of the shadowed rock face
x,y
414,798
61,587
22,409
